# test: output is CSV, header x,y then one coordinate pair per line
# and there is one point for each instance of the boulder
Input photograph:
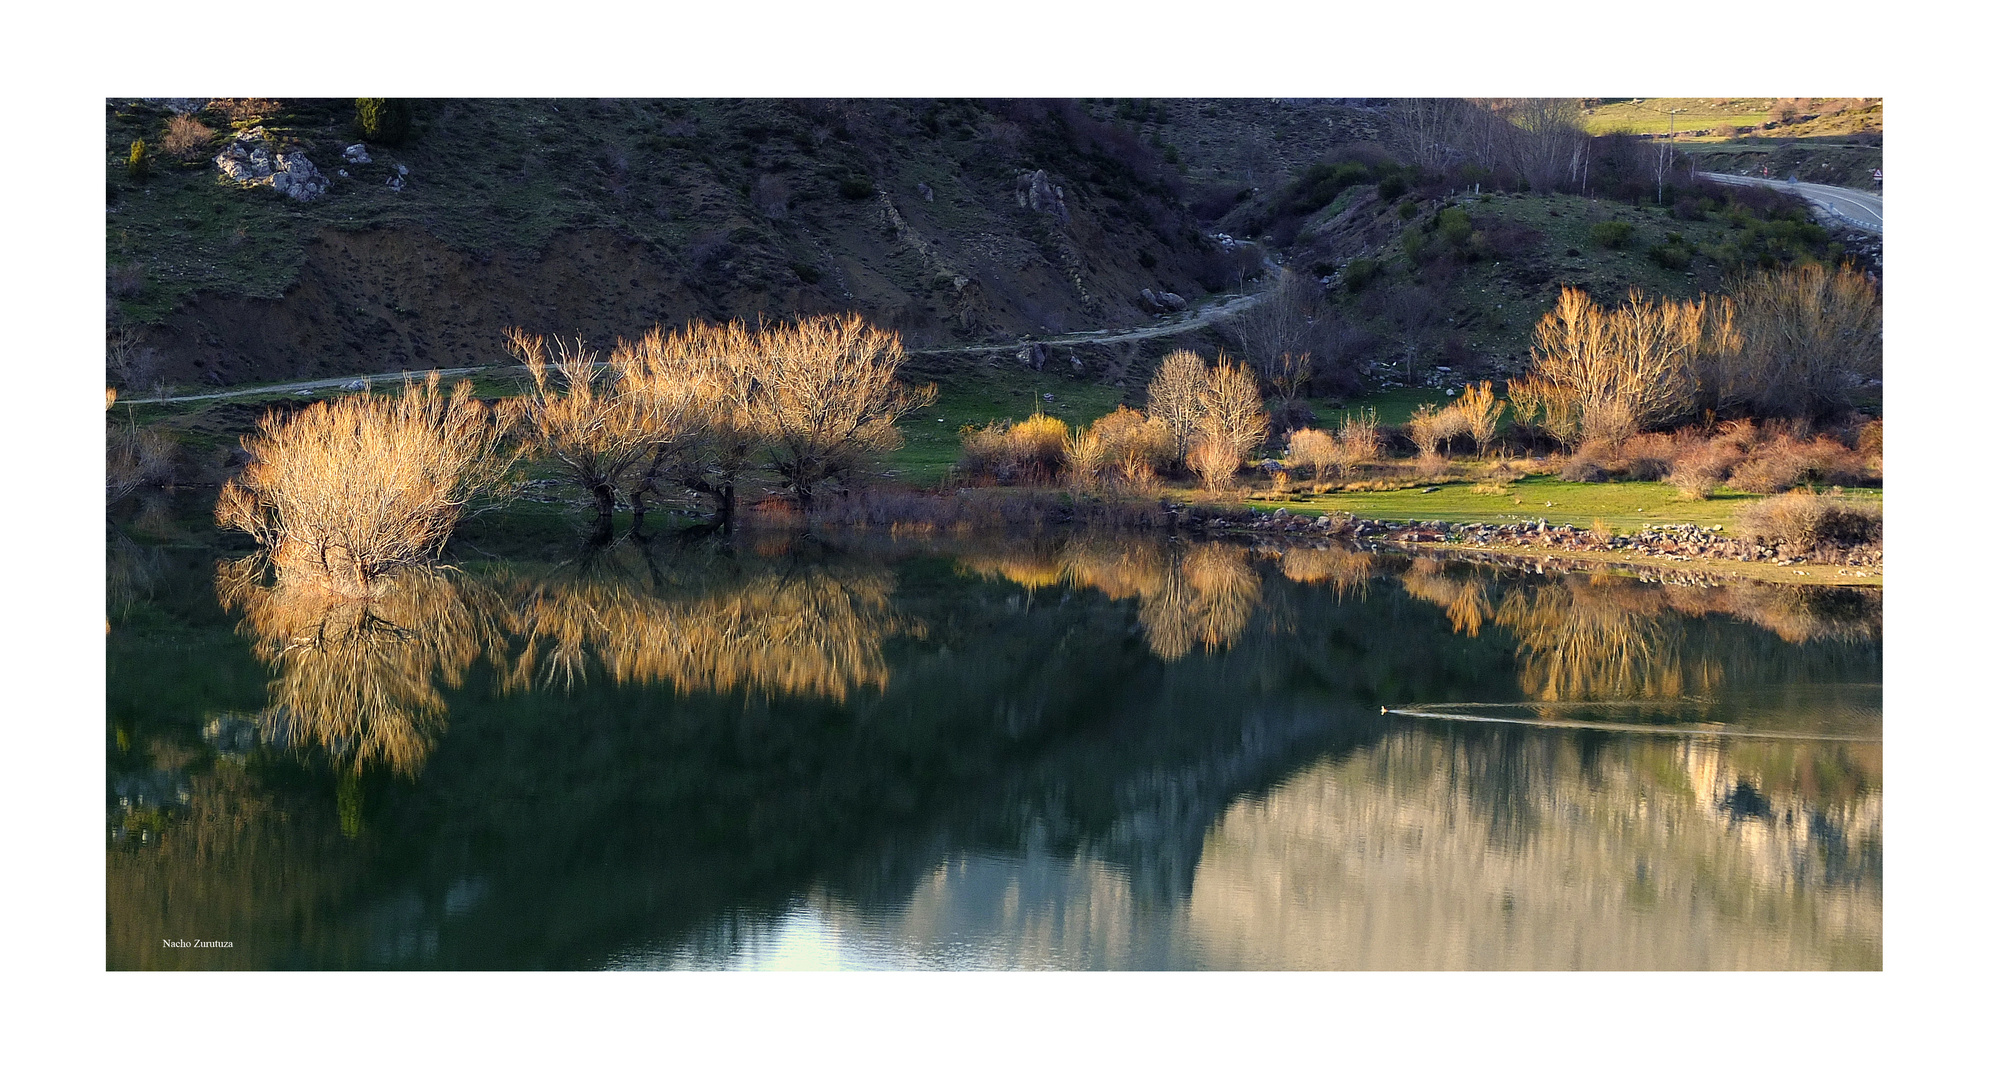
x,y
357,154
1039,193
1171,300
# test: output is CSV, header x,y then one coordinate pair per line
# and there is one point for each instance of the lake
x,y
1050,751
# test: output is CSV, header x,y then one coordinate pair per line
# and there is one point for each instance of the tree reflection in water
x,y
682,734
357,676
360,677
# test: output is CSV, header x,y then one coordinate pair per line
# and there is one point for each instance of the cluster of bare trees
x,y
356,488
1204,418
1294,335
1791,343
1539,140
1214,414
697,411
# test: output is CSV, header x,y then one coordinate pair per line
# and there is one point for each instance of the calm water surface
x,y
1063,751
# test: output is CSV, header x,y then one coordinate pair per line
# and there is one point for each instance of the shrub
x,y
1807,520
1391,187
1608,374
1030,451
1215,461
1315,450
1783,462
1360,273
1230,410
1806,340
1431,427
1674,255
1480,413
187,137
126,280
1701,464
1612,234
138,164
1122,449
1358,441
382,120
352,489
855,187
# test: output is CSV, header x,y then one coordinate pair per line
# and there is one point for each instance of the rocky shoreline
x,y
1673,543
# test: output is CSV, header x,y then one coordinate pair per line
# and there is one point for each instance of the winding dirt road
x,y
1180,323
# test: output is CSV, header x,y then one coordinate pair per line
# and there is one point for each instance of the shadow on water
x,y
1095,751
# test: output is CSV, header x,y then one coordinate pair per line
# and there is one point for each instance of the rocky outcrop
x,y
249,161
1038,193
1162,300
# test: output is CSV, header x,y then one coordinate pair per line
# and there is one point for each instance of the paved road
x,y
1859,209
1164,327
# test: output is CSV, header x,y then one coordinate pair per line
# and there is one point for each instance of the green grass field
x,y
1625,506
1649,116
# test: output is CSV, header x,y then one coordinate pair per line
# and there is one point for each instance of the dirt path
x,y
1167,326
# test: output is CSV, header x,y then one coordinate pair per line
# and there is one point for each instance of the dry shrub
x,y
1480,412
1601,374
1123,450
1806,339
126,280
1869,443
1650,456
1587,465
1032,450
1215,461
829,399
1431,427
1783,462
591,426
349,490
1358,440
1806,520
133,456
1314,450
1702,464
187,137
1229,410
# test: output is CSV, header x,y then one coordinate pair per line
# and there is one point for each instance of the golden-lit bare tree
x,y
1174,394
352,489
1618,371
1230,409
829,399
1481,412
582,417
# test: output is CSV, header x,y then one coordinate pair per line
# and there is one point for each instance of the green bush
x,y
855,187
1612,234
1360,273
139,164
381,120
1391,187
1673,254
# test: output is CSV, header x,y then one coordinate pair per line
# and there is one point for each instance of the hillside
x,y
954,222
950,221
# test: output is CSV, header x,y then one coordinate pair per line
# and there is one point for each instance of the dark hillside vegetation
x,y
931,217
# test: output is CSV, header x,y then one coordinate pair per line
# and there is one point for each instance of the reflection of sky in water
x,y
1656,853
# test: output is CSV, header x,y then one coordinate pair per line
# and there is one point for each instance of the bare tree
x,y
1230,411
1277,335
1806,340
1174,394
829,399
584,421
